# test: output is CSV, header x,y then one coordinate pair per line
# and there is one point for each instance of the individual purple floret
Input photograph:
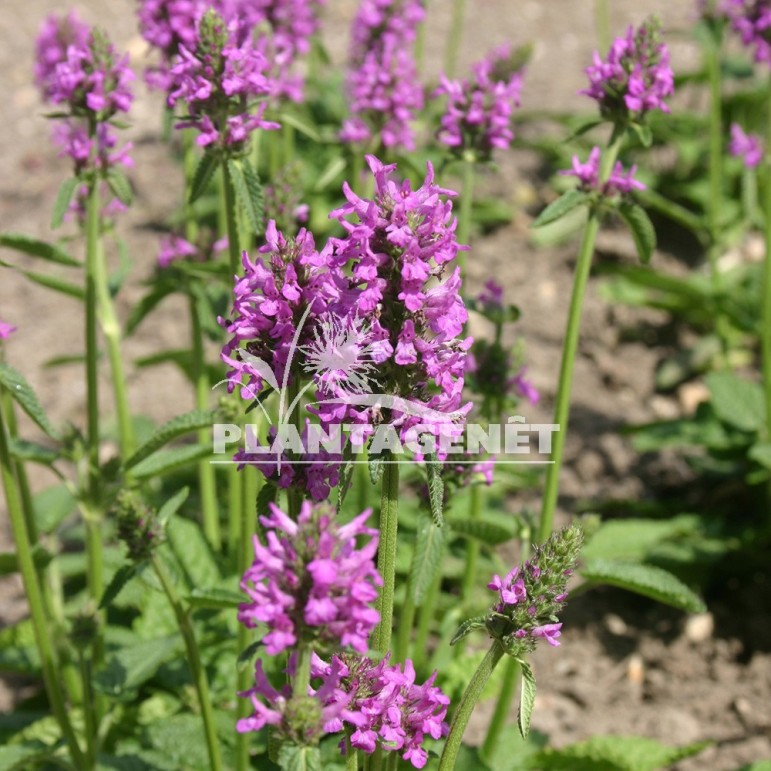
x,y
383,88
174,248
478,113
752,21
56,35
98,152
223,83
6,330
310,583
384,707
635,78
748,147
524,387
620,182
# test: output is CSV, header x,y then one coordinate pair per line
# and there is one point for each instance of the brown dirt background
x,y
624,667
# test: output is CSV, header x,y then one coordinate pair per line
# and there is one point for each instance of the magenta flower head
x,y
399,248
6,330
478,113
748,147
56,35
634,78
383,88
620,182
310,584
531,595
751,19
223,82
384,707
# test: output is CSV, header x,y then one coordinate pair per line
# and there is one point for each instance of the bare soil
x,y
626,666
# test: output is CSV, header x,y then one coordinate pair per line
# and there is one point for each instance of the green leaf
x,y
52,506
467,627
526,698
22,757
737,402
160,288
615,753
118,277
761,453
134,665
21,391
9,561
164,461
218,599
488,532
176,427
193,552
762,765
435,489
650,581
32,452
247,655
377,466
248,191
643,133
172,505
294,758
36,248
429,548
62,202
204,171
120,185
556,210
266,496
641,227
304,128
122,576
50,282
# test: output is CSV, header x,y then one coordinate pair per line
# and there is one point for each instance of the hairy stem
x,y
386,555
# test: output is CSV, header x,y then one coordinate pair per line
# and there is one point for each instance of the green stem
x,y
89,713
406,622
294,498
231,220
206,478
472,548
455,37
466,208
602,17
19,470
466,707
425,618
570,347
196,667
351,754
715,157
386,556
302,673
502,708
766,329
48,663
235,498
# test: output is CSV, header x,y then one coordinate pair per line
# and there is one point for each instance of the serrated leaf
x,y
262,368
17,386
615,753
248,191
176,427
435,489
160,289
36,248
172,505
266,496
122,576
204,171
376,464
247,655
133,665
219,599
641,227
294,758
164,461
648,580
120,185
50,282
429,548
63,199
526,698
556,210
736,401
32,452
487,532
467,627
51,506
193,552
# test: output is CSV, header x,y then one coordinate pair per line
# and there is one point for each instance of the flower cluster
x,y
96,150
220,80
310,583
635,78
137,526
752,21
383,88
397,247
385,706
6,330
531,595
620,181
748,147
479,110
55,37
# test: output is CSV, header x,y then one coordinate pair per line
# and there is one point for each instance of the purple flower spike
x,y
620,182
751,19
634,78
56,35
310,583
748,147
479,110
